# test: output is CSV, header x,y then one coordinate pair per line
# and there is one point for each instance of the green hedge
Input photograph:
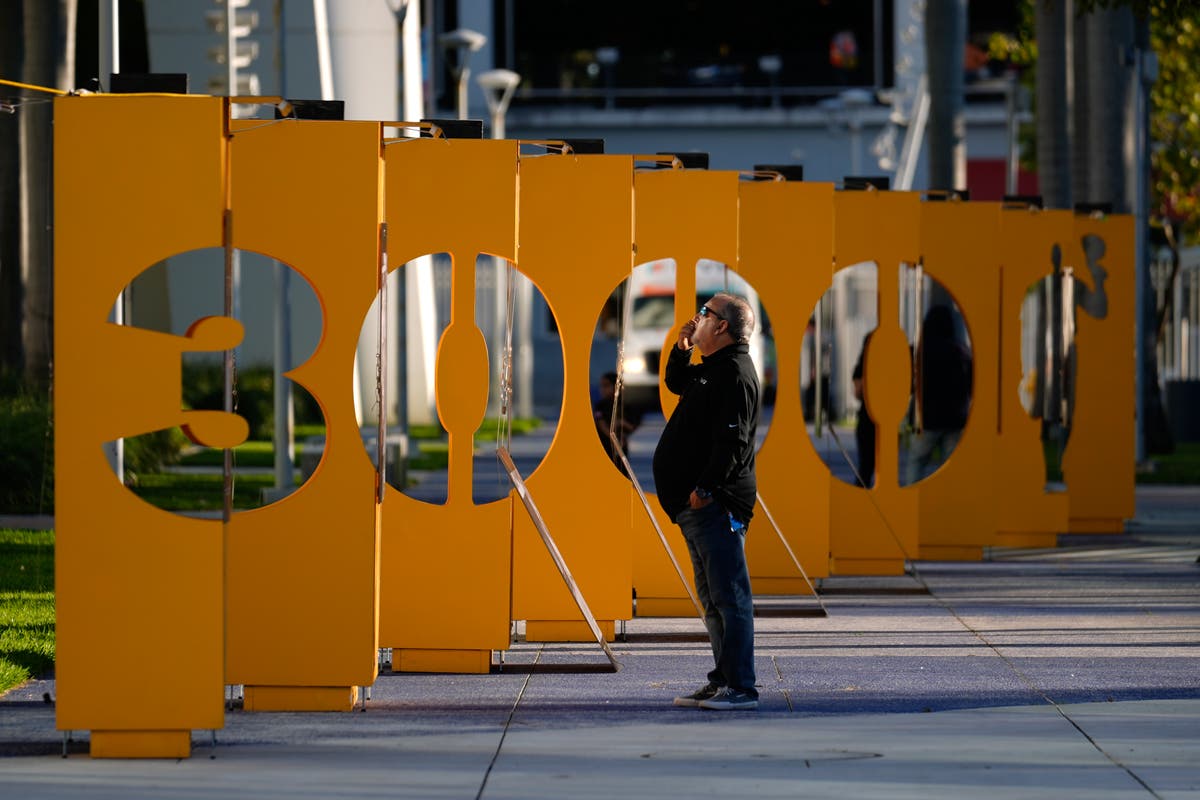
x,y
204,387
26,455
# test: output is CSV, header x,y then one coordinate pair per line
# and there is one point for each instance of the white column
x,y
420,321
110,62
362,53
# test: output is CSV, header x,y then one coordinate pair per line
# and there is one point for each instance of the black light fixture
x,y
688,160
457,128
1023,201
941,195
585,146
858,183
148,83
789,172
311,109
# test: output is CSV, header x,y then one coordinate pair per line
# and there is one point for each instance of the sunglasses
x,y
705,311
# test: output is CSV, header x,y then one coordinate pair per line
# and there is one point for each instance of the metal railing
x,y
1179,346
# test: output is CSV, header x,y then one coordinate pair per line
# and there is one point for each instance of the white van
x,y
648,325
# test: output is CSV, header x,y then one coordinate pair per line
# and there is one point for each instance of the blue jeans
x,y
723,585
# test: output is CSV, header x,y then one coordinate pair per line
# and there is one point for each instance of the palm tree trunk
x,y
10,181
49,29
1100,101
1053,145
945,38
1156,431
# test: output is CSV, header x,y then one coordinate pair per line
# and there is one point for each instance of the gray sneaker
x,y
693,700
729,700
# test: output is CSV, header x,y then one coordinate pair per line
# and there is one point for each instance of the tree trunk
x,y
1100,102
945,38
1053,146
49,29
10,181
1156,431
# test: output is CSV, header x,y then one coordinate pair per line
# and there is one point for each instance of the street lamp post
x,y
462,42
498,87
608,57
771,65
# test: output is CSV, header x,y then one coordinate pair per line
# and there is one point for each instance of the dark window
x,y
639,52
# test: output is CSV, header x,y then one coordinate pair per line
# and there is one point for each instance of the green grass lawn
x,y
26,605
428,450
250,454
200,492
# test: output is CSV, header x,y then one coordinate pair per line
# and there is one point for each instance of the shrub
x,y
150,452
26,455
204,388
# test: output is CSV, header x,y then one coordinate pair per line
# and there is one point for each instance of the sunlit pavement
x,y
1034,674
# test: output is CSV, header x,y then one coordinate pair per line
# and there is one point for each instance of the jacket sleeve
x,y
679,369
730,432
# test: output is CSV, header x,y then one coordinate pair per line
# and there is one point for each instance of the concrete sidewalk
x,y
1036,674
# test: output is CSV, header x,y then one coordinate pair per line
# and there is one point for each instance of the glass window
x,y
699,48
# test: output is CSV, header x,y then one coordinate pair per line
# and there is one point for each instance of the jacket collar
x,y
726,352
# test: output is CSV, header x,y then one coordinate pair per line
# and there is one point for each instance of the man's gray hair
x,y
740,316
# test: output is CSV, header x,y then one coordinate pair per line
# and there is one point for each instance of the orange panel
x,y
1099,461
301,572
576,257
137,179
446,569
958,502
785,249
1028,514
685,215
468,662
877,534
299,698
141,744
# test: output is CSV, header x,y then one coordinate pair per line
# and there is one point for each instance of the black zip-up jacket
x,y
709,440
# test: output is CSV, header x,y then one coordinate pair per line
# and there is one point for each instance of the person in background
x,y
627,420
944,380
864,426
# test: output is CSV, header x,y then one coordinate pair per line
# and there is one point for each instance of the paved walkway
x,y
1035,674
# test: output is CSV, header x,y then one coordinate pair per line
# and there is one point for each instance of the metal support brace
x,y
620,451
687,586
527,499
788,547
870,496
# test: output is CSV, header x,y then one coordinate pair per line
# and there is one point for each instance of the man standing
x,y
704,476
